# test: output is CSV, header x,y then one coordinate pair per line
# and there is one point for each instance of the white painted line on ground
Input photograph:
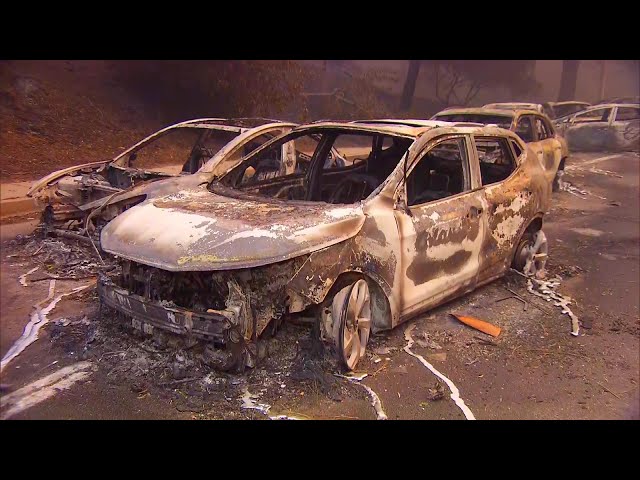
x,y
44,388
455,393
575,166
23,277
38,320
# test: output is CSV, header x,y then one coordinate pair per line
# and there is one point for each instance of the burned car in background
x,y
555,110
537,107
414,216
609,127
69,196
532,127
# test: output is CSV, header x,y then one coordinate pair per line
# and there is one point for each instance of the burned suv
x,y
407,219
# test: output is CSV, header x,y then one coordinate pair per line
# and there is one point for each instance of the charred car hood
x,y
44,181
197,230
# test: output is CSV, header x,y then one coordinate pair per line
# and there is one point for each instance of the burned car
x,y
532,127
516,106
69,196
413,217
555,110
609,127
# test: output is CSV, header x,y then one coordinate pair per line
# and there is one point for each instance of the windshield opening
x,y
320,165
178,150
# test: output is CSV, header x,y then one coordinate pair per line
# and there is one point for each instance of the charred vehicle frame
x,y
73,199
360,246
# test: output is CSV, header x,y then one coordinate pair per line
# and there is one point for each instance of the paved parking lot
x,y
85,366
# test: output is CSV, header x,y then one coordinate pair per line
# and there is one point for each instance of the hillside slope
x,y
55,114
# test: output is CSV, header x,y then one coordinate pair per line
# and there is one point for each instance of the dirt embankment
x,y
55,114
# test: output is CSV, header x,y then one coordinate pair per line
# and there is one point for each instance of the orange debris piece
x,y
481,325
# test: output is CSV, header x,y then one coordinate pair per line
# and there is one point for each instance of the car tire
x,y
520,257
351,312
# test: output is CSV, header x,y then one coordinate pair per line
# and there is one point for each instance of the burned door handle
x,y
475,211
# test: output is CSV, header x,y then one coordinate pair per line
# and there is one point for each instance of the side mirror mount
x,y
401,205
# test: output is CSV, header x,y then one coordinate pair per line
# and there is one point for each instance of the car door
x,y
508,199
551,147
591,130
441,224
626,127
526,129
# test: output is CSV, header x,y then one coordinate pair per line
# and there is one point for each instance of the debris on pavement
x,y
375,400
436,393
546,289
23,277
38,320
481,325
249,402
44,388
59,259
428,342
455,393
578,192
384,350
438,357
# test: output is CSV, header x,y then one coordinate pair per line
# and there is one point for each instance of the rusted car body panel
x,y
69,195
552,151
610,127
247,260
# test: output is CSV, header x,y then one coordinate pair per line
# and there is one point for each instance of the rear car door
x,y
626,125
507,197
591,130
526,130
442,228
551,147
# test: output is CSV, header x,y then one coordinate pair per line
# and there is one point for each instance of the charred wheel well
x,y
561,165
535,225
380,308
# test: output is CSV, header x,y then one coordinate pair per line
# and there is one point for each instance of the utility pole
x,y
603,77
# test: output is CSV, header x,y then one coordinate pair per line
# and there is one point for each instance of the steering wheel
x,y
368,182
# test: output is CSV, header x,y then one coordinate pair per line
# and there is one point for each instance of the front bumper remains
x,y
214,326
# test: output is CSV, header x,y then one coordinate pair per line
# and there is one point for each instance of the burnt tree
x,y
410,84
568,80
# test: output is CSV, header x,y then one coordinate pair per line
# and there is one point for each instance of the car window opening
x,y
440,173
496,159
339,167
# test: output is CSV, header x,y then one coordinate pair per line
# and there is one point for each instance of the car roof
x,y
241,122
399,128
415,122
610,105
482,111
515,104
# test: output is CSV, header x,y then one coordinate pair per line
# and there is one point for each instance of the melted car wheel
x,y
531,254
351,311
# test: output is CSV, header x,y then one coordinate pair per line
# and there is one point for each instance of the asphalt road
x,y
534,370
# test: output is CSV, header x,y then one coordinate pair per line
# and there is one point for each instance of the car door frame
x,y
496,257
606,129
619,128
417,291
551,147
